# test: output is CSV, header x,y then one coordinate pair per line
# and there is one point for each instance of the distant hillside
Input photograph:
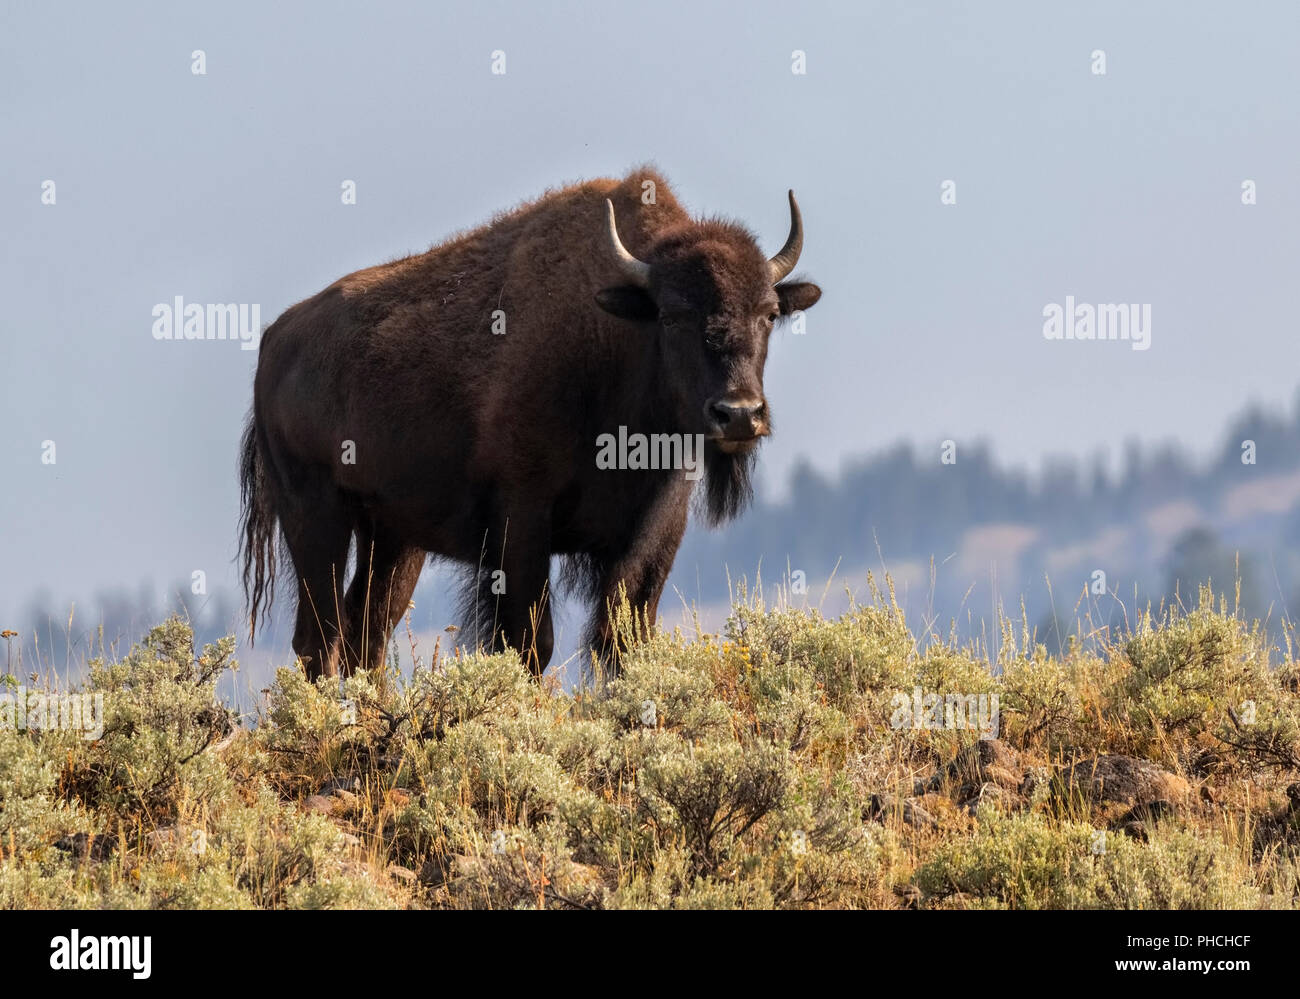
x,y
996,537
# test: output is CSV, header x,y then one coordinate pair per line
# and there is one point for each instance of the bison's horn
x,y
783,263
636,271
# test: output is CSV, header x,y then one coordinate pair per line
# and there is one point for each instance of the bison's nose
x,y
738,419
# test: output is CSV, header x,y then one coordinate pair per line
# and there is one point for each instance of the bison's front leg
x,y
640,570
514,589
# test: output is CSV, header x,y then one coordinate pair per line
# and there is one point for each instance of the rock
x,y
399,797
347,801
586,877
984,761
1003,778
1207,762
466,866
1123,780
318,803
908,895
992,794
1034,779
1147,813
1293,795
349,784
880,808
349,839
82,846
976,759
436,870
915,815
399,873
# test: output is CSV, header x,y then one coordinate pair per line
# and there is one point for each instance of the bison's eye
x,y
715,340
773,317
671,320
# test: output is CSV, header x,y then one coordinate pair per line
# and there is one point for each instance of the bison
x,y
452,404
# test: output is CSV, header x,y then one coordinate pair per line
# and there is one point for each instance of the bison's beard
x,y
727,482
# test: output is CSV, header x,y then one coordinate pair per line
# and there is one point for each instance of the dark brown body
x,y
470,444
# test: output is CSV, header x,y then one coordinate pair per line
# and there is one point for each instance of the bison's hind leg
x,y
378,595
317,523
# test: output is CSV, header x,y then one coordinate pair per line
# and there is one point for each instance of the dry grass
x,y
768,766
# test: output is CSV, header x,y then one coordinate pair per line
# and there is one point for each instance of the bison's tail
x,y
257,522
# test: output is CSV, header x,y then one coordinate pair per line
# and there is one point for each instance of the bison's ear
x,y
797,296
627,302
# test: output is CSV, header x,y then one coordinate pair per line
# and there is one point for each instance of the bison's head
x,y
714,298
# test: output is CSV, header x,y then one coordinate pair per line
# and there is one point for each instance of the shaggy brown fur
x,y
481,447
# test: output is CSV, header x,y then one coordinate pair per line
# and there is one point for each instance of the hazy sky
x,y
1124,187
